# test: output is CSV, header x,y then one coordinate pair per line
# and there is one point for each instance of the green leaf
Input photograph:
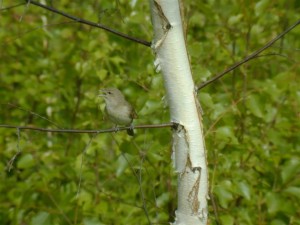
x,y
235,19
162,199
206,100
226,135
26,161
255,106
278,222
224,193
122,163
128,147
290,170
244,189
293,191
261,6
274,203
277,203
41,218
92,221
227,219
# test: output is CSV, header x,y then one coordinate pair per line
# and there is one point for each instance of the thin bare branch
x,y
83,21
81,164
34,114
112,130
11,7
248,58
11,161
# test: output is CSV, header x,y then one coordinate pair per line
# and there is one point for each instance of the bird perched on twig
x,y
119,111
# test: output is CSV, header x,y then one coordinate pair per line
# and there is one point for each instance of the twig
x,y
26,8
81,164
34,114
212,198
11,7
248,58
83,21
150,126
11,161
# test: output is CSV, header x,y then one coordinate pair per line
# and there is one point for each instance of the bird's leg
x,y
131,126
116,128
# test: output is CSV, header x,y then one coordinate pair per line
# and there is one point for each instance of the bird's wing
x,y
133,114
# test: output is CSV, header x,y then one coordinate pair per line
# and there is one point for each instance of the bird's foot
x,y
116,129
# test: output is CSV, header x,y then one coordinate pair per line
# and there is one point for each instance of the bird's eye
x,y
109,92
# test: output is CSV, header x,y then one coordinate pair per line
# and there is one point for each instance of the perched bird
x,y
119,111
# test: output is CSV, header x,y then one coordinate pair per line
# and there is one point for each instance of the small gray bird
x,y
119,111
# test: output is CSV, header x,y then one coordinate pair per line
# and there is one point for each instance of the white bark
x,y
189,155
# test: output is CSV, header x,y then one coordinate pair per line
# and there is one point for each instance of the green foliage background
x,y
52,68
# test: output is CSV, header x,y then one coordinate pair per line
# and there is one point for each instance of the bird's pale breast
x,y
120,115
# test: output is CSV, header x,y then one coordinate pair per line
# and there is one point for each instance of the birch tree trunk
x,y
189,155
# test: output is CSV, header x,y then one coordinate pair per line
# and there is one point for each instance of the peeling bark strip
x,y
189,158
193,195
165,24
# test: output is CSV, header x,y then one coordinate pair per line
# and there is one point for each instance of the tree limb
x,y
248,58
151,126
83,21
